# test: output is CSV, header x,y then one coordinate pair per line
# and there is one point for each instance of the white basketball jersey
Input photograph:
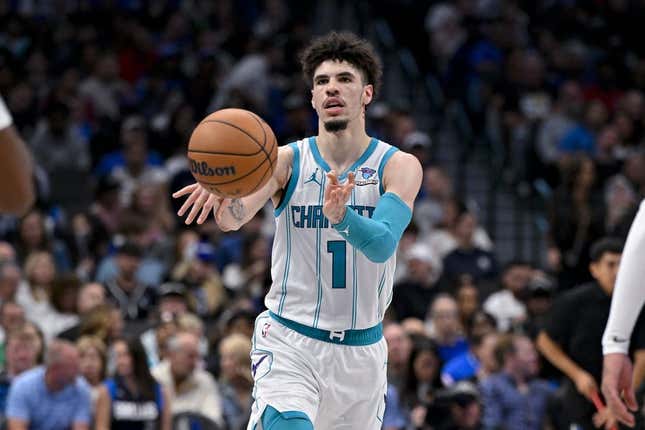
x,y
319,279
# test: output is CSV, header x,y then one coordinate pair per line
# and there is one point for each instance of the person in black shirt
x,y
571,338
132,399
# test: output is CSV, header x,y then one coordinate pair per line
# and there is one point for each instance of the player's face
x,y
339,94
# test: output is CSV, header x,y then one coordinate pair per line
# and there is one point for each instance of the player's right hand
x,y
617,387
585,384
200,199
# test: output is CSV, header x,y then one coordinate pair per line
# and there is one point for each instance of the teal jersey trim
x,y
361,337
322,163
292,420
293,180
354,274
390,152
287,264
318,256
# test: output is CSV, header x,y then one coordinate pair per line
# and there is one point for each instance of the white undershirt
x,y
629,294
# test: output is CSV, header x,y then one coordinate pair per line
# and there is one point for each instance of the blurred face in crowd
x,y
485,353
420,270
173,304
571,99
466,414
525,357
91,365
436,182
22,353
136,151
43,270
7,252
123,359
339,95
234,357
10,278
426,366
13,316
90,296
465,229
116,324
445,318
604,270
481,324
184,356
65,369
165,331
516,278
31,229
467,299
128,265
398,344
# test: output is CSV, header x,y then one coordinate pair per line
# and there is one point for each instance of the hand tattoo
x,y
237,209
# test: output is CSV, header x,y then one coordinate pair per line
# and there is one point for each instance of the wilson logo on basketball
x,y
202,168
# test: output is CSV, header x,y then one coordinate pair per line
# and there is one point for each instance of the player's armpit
x,y
402,176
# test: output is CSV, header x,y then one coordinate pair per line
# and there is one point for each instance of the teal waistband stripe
x,y
361,337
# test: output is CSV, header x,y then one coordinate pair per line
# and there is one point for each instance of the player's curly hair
x,y
343,46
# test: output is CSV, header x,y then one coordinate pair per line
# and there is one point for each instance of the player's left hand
x,y
604,419
336,196
617,387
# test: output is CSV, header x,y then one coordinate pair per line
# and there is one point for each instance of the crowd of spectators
x,y
109,300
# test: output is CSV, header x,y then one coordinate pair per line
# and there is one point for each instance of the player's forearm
x,y
556,356
378,237
628,296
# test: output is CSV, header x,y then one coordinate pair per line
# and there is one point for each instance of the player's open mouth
x,y
333,106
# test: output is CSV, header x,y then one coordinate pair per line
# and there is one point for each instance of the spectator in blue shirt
x,y
53,397
514,399
475,365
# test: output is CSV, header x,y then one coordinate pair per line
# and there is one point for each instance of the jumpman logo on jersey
x,y
314,178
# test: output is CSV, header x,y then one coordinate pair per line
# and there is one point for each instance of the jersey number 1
x,y
338,250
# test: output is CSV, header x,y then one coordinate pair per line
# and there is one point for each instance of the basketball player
x,y
16,186
342,200
627,301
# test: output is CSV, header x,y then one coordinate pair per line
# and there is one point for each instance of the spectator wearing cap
x,y
571,337
134,299
190,388
418,144
205,292
172,304
462,407
415,292
507,305
514,398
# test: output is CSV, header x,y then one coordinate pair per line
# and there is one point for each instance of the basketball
x,y
232,152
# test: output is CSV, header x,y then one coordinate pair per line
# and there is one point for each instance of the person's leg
x,y
272,419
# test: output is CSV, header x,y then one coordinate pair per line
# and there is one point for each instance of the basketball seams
x,y
228,186
264,133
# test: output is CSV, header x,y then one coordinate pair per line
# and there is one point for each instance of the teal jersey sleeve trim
x,y
288,420
379,236
293,180
390,152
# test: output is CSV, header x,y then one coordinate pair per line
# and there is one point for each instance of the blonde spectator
x,y
236,380
93,360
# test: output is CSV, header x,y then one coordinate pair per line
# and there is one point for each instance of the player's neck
x,y
340,149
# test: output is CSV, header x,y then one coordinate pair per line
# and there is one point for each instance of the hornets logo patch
x,y
365,176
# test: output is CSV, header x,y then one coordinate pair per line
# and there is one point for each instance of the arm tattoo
x,y
237,209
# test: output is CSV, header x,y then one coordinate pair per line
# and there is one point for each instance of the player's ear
x,y
368,94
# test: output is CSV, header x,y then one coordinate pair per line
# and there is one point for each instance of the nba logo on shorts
x,y
265,329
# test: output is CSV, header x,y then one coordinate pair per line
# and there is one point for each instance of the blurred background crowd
x,y
529,119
